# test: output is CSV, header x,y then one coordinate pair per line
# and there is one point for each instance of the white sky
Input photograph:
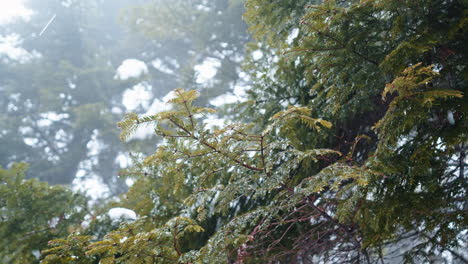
x,y
13,9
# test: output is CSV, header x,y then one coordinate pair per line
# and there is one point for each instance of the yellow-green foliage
x,y
416,94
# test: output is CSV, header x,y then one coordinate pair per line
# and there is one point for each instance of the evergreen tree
x,y
32,213
357,153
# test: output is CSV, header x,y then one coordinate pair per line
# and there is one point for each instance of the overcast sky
x,y
12,9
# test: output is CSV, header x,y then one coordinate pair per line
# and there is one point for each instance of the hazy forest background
x,y
234,131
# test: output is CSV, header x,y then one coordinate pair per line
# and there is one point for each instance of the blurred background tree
x,y
32,213
60,101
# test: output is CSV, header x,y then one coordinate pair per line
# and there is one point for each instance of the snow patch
x,y
123,160
129,182
92,186
206,70
160,66
256,55
139,94
36,253
292,36
131,68
239,94
450,118
119,213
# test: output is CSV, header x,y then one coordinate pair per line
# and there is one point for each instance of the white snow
x,y
169,96
94,145
54,222
207,70
123,160
450,118
53,116
121,213
129,182
92,186
30,141
116,110
131,68
159,65
158,106
256,55
237,95
139,94
36,253
292,36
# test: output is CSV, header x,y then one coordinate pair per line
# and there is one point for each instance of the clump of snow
x,y
237,95
131,68
158,106
159,65
119,213
256,55
293,35
139,94
36,253
129,182
207,70
94,145
123,160
116,110
450,118
91,185
54,222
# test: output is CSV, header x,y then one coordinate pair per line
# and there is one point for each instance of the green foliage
x,y
33,213
310,179
416,94
69,250
185,175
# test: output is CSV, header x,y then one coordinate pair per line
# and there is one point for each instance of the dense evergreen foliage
x,y
350,148
32,213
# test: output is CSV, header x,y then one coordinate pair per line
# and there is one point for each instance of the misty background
x,y
70,70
